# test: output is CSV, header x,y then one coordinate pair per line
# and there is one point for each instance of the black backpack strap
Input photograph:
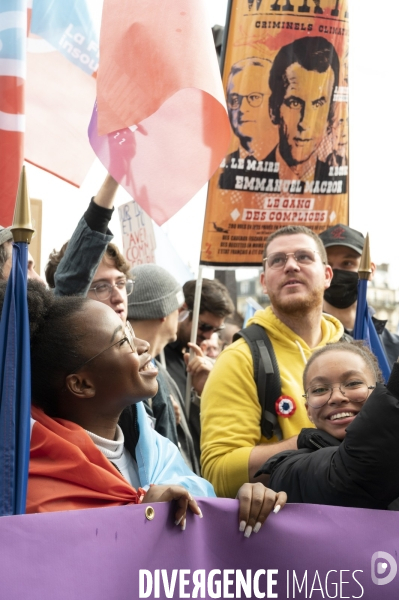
x,y
266,375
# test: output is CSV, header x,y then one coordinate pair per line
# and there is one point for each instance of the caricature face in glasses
x,y
247,99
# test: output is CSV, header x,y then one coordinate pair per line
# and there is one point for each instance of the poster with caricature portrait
x,y
285,75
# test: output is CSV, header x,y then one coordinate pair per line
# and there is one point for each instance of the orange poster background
x,y
287,162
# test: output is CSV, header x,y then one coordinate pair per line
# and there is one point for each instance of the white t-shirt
x,y
118,455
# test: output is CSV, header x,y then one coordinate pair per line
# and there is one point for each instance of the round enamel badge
x,y
285,406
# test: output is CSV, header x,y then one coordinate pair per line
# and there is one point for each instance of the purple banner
x,y
306,551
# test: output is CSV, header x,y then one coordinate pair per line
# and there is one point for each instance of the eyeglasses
x,y
128,338
103,290
277,260
254,99
319,394
205,327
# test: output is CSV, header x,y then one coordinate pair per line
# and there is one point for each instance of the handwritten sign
x,y
137,234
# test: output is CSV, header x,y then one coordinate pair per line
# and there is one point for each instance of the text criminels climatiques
x,y
287,6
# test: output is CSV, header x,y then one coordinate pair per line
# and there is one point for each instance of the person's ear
x,y
263,282
373,270
81,386
309,415
183,307
329,276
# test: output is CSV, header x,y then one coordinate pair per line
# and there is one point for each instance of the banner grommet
x,y
149,513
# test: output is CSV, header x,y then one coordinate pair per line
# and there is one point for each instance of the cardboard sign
x,y
137,234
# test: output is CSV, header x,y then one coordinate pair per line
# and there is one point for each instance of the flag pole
x,y
364,276
365,261
22,229
15,378
364,327
193,338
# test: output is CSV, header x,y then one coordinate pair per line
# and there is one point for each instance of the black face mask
x,y
342,292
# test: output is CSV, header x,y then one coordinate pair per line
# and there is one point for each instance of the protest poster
x,y
285,76
306,551
137,234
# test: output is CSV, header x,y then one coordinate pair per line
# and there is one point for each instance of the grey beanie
x,y
5,234
156,293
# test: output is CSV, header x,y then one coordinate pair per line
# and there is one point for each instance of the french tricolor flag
x,y
13,28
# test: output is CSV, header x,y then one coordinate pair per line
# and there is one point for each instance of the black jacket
x,y
389,341
361,471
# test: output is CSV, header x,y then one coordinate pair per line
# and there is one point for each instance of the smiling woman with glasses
x,y
92,444
352,455
89,376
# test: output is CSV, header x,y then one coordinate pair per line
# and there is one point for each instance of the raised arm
x,y
87,245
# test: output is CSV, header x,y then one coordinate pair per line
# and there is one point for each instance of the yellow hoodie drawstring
x,y
302,352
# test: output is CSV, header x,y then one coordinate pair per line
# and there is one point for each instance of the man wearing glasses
x,y
295,276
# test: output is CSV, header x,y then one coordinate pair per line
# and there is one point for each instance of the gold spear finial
x,y
22,229
365,261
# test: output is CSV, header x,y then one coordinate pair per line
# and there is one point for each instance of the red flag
x,y
13,25
158,71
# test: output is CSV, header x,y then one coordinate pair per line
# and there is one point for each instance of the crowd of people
x,y
294,407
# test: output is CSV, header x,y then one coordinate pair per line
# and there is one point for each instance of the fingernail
x,y
190,497
200,513
277,509
257,527
248,531
179,520
242,526
183,525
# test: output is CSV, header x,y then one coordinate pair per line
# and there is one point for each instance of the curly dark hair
x,y
356,347
55,341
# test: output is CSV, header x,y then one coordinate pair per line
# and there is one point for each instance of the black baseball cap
x,y
342,235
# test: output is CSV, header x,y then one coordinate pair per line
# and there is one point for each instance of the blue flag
x,y
364,329
15,388
251,308
72,27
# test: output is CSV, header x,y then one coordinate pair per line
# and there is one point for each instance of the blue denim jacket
x,y
77,267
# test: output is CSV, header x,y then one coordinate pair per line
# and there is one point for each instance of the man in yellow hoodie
x,y
295,276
